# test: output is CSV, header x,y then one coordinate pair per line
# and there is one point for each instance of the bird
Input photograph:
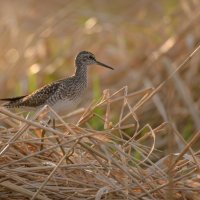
x,y
61,93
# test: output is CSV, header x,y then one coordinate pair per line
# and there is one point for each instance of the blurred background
x,y
143,40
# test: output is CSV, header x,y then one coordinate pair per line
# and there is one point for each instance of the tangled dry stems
x,y
79,162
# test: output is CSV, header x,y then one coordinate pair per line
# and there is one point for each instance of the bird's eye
x,y
91,57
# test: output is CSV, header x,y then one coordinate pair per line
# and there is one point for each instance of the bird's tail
x,y
11,102
13,98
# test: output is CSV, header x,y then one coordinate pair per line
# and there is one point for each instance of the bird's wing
x,y
35,99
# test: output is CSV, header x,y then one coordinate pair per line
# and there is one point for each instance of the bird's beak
x,y
103,65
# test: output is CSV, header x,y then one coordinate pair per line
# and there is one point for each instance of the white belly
x,y
63,106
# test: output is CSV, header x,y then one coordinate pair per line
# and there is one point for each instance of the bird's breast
x,y
67,97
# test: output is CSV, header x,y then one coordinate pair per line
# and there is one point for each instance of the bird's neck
x,y
81,78
81,71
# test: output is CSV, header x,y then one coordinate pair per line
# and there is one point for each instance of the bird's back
x,y
35,99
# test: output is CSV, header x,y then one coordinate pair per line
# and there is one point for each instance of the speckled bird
x,y
59,94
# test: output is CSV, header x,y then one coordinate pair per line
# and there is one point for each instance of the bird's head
x,y
85,58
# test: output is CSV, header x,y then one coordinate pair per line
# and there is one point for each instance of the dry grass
x,y
80,162
137,142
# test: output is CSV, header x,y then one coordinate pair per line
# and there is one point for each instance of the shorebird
x,y
61,93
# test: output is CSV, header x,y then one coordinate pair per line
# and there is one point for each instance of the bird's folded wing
x,y
35,99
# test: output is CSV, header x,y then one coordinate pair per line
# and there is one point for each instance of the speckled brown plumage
x,y
61,92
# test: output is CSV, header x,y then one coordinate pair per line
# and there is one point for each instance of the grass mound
x,y
103,155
